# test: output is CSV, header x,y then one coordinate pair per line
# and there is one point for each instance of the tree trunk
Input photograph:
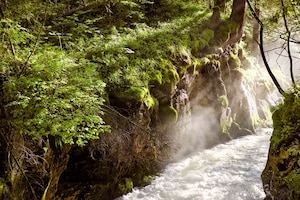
x,y
219,6
237,17
255,31
58,160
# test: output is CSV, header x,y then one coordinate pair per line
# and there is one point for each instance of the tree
x,y
281,174
261,47
230,30
218,8
237,16
255,30
47,93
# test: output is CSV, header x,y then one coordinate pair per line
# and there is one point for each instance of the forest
x,y
93,92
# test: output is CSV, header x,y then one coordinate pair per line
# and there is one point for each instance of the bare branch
x,y
284,10
261,47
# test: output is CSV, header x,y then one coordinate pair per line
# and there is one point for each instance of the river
x,y
229,171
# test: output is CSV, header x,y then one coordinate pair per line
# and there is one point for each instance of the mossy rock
x,y
170,76
203,41
156,78
147,179
282,173
234,61
138,94
126,185
225,31
293,181
4,190
168,114
286,120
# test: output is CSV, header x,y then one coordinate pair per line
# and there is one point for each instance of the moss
x,y
284,156
3,188
139,94
286,119
147,179
186,39
170,75
224,101
203,40
293,181
225,31
151,101
172,78
168,114
156,78
234,60
126,185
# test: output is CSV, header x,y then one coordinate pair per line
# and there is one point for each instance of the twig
x,y
288,41
261,47
129,120
35,45
18,165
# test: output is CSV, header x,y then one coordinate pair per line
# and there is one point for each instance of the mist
x,y
203,124
277,57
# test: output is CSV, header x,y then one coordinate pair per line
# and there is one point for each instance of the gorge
x,y
98,97
226,171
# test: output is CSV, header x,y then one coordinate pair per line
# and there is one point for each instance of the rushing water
x,y
228,171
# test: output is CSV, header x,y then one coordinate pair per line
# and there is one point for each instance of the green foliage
x,y
293,181
273,20
48,91
60,97
126,186
139,94
286,119
204,39
147,179
15,32
59,59
227,28
140,57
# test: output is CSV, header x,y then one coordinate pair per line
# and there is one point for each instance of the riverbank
x,y
226,171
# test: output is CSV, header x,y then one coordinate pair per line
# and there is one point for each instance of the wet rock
x,y
281,176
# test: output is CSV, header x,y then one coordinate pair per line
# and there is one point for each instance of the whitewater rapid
x,y
229,171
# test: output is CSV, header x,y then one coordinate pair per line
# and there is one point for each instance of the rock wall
x,y
281,176
208,104
202,90
143,141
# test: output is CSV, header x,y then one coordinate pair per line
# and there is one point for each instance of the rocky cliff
x,y
175,79
281,176
210,95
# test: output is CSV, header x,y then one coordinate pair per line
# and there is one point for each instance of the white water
x,y
228,171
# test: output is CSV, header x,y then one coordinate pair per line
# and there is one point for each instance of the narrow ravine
x,y
226,171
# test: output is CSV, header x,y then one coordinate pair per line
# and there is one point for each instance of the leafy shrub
x,y
49,91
